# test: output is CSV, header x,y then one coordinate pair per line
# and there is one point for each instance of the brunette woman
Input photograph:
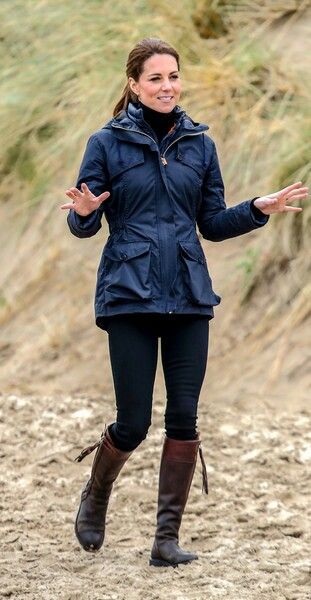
x,y
154,173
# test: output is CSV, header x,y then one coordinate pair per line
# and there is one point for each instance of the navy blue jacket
x,y
153,261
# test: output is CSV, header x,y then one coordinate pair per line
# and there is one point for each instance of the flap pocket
x,y
124,251
128,158
193,251
196,279
127,272
187,156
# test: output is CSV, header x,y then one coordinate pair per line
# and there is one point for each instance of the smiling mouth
x,y
165,97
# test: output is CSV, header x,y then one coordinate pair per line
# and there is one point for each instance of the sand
x,y
252,532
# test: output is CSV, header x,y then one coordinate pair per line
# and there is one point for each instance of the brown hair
x,y
135,66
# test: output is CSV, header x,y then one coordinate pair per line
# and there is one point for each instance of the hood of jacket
x,y
132,120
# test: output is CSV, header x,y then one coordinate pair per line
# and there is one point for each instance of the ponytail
x,y
127,97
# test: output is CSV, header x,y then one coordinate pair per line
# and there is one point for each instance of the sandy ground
x,y
252,532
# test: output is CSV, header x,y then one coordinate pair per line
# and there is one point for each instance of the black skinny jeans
x,y
133,346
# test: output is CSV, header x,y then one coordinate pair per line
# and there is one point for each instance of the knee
x,y
138,434
128,437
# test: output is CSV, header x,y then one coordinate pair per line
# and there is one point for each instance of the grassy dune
x,y
62,70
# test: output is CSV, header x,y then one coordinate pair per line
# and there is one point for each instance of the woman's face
x,y
159,85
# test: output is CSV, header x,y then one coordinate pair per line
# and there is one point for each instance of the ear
x,y
133,85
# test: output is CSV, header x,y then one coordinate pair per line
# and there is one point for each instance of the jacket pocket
x,y
128,157
126,272
193,167
197,282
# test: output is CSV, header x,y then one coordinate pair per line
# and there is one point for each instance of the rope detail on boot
x,y
204,472
89,449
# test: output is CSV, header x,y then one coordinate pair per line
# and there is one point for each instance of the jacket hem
x,y
102,319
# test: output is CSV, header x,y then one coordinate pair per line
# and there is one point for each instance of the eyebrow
x,y
153,74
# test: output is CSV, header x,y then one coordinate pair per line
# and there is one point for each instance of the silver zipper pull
x,y
164,161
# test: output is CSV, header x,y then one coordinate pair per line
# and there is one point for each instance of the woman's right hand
x,y
84,202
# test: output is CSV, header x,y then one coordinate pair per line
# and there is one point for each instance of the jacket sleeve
x,y
215,221
93,172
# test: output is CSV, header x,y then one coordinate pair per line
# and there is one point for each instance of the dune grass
x,y
62,71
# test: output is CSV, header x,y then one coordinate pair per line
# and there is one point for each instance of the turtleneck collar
x,y
161,123
133,118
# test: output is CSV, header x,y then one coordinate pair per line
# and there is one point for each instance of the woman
x,y
154,173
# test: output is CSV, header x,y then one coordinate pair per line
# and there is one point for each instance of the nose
x,y
166,85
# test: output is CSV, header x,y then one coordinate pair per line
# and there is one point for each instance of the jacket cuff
x,y
258,217
84,222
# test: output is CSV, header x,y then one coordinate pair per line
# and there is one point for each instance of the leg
x,y
184,358
133,353
184,355
133,345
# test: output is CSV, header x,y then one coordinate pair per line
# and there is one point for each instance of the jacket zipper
x,y
135,131
163,159
162,240
162,156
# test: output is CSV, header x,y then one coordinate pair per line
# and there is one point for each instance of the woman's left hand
x,y
276,202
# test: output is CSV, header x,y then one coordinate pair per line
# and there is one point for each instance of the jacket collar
x,y
132,120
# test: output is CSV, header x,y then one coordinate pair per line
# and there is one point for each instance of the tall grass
x,y
62,70
262,109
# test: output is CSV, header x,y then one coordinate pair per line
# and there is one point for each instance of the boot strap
x,y
204,472
89,449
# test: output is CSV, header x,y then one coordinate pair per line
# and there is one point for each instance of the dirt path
x,y
252,532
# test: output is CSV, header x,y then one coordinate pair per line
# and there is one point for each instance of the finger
x,y
287,189
303,192
67,206
86,190
292,209
297,197
77,192
103,197
71,195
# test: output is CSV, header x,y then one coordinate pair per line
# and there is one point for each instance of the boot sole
x,y
159,562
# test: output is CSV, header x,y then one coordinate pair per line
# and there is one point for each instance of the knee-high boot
x,y
176,472
91,517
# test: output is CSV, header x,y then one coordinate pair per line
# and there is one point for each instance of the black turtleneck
x,y
159,122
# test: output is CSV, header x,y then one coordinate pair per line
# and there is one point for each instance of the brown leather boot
x,y
176,473
91,517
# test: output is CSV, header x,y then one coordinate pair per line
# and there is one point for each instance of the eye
x,y
154,78
175,77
